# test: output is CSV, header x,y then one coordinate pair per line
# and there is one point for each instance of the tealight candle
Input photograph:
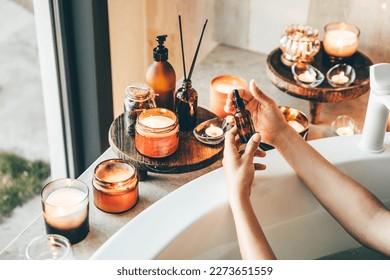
x,y
340,79
341,39
65,208
157,133
115,186
214,131
345,131
297,126
307,77
219,88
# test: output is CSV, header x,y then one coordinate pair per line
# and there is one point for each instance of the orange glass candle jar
x,y
219,88
157,133
115,186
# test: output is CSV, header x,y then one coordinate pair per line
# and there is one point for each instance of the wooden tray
x,y
282,77
190,156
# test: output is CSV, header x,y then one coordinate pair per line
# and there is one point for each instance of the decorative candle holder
x,y
49,247
299,43
211,132
341,75
157,133
344,126
115,186
219,88
296,119
341,40
66,208
307,75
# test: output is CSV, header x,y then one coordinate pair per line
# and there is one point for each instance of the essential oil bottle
x,y
243,118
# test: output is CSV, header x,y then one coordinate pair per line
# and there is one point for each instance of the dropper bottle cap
x,y
238,102
160,53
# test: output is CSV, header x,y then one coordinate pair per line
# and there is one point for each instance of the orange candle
x,y
219,88
157,133
115,186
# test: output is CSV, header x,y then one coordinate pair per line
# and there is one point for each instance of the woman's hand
x,y
267,118
239,166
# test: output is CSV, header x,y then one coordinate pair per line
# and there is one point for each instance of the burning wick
x,y
214,131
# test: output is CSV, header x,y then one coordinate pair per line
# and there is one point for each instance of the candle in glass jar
x,y
341,39
65,209
213,131
219,88
115,186
157,133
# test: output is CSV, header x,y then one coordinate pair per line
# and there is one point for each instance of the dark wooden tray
x,y
191,154
282,77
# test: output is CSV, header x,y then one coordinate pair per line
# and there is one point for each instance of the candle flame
x,y
342,74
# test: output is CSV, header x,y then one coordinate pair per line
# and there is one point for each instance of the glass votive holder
x,y
220,86
307,75
344,126
65,206
157,133
296,119
341,75
341,39
211,132
115,186
49,247
299,43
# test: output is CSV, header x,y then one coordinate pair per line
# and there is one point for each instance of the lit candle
x,y
157,133
307,77
214,131
115,186
157,122
65,209
340,79
219,88
297,126
341,39
345,131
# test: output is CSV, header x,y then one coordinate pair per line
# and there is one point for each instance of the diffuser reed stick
x,y
197,50
182,49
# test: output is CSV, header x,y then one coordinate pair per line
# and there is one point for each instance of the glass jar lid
x,y
138,92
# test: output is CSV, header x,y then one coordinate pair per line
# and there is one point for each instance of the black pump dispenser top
x,y
160,53
238,102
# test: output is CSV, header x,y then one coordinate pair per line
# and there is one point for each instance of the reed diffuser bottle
x,y
186,104
161,77
243,118
186,100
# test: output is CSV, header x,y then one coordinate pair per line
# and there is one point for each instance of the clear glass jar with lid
x,y
138,97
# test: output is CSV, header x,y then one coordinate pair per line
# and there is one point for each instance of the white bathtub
x,y
195,221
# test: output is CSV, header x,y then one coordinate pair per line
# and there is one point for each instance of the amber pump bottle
x,y
186,104
243,118
161,77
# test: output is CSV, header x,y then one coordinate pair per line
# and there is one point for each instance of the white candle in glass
x,y
345,131
157,121
214,131
307,77
340,42
66,208
340,78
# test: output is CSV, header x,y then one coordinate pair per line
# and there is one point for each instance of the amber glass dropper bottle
x,y
243,118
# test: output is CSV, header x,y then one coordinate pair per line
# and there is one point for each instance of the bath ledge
x,y
194,221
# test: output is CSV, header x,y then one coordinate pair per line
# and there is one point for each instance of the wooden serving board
x,y
191,154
